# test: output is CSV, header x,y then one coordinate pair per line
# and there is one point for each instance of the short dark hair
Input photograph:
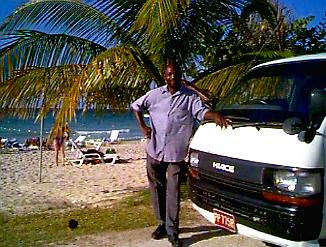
x,y
176,66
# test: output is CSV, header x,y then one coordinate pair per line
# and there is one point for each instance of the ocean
x,y
92,124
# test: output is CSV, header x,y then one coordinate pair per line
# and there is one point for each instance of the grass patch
x,y
52,226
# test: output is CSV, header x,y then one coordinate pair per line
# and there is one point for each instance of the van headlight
x,y
194,160
298,182
294,187
194,165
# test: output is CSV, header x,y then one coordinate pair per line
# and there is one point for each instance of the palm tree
x,y
257,35
59,53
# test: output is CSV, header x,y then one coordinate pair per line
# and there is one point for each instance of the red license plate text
x,y
224,220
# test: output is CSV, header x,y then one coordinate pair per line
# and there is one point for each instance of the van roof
x,y
319,56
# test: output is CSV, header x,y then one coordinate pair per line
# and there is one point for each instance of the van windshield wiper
x,y
240,121
256,124
237,118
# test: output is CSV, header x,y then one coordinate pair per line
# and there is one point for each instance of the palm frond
x,y
56,54
32,49
44,90
219,80
123,12
157,17
264,8
118,66
175,28
71,17
250,57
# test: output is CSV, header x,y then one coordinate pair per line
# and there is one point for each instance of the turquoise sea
x,y
93,124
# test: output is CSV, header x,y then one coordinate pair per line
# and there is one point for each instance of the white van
x,y
264,176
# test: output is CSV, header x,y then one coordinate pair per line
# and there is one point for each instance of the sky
x,y
299,8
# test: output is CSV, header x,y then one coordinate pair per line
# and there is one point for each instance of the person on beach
x,y
172,109
61,136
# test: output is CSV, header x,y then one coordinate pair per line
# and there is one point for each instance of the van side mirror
x,y
317,105
317,113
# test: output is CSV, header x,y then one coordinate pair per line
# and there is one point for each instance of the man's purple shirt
x,y
172,118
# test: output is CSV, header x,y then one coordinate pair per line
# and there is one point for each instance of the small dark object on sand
x,y
73,224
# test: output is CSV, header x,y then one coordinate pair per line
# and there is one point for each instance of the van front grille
x,y
231,203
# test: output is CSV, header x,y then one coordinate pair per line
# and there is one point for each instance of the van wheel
x,y
271,245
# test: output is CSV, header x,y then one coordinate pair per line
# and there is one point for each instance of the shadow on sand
x,y
199,233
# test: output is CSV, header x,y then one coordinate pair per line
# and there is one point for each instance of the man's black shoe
x,y
159,233
175,241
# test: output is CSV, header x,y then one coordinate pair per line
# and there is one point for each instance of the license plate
x,y
224,220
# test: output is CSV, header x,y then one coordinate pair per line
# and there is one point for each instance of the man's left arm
x,y
204,96
202,112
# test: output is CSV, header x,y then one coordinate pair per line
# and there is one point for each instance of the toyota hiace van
x,y
264,176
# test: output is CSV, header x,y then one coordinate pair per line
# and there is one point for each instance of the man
x,y
172,109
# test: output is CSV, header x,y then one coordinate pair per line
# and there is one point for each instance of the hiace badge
x,y
223,167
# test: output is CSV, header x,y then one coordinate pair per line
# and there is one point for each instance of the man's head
x,y
172,76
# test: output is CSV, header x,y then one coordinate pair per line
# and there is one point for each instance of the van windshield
x,y
276,92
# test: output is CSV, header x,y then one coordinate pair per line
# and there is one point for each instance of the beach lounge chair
x,y
80,141
114,136
95,143
91,156
112,139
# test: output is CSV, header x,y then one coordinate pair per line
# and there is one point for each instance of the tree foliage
x,y
55,54
304,40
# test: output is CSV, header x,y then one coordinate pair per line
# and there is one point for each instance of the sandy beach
x,y
65,187
68,186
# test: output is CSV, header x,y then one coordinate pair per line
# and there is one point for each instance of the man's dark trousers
x,y
164,184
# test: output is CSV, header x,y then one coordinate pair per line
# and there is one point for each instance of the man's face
x,y
172,77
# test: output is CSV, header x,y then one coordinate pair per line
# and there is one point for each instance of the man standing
x,y
172,109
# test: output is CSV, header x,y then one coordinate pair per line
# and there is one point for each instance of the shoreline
x,y
96,124
68,186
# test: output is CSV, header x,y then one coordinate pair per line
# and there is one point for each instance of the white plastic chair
x,y
84,157
114,136
80,141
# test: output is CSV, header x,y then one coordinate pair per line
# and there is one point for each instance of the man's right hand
x,y
140,119
147,132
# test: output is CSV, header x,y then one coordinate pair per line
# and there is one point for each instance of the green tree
x,y
256,37
305,40
56,53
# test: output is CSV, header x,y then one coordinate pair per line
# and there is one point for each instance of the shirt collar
x,y
164,89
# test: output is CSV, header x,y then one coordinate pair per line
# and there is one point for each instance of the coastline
x,y
95,124
68,186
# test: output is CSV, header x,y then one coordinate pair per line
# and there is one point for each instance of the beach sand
x,y
68,186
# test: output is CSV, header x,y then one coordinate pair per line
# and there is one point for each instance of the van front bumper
x,y
252,233
251,211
